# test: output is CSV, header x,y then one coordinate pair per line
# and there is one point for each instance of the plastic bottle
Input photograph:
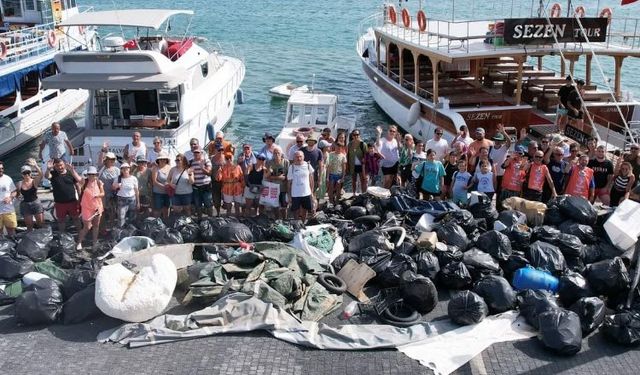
x,y
349,310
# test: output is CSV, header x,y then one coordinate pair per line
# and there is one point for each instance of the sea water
x,y
297,40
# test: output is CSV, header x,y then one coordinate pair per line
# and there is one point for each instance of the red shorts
x,y
63,209
601,192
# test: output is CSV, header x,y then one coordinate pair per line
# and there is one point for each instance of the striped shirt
x,y
620,183
199,176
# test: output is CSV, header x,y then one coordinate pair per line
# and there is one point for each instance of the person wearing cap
x,y
217,162
127,195
91,207
58,143
253,187
152,154
159,179
218,141
135,148
498,153
142,173
64,182
30,207
108,173
479,142
356,151
246,159
537,177
276,172
575,105
201,169
438,144
313,156
581,182
269,144
388,147
301,187
514,174
336,172
326,136
462,137
295,146
563,110
180,181
8,218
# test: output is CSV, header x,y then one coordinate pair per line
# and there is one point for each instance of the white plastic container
x,y
425,224
623,226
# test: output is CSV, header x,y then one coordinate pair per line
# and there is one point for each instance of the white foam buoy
x,y
414,113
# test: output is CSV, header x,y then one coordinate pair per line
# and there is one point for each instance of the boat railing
x,y
26,43
614,134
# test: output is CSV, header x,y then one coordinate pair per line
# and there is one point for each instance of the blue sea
x,y
295,40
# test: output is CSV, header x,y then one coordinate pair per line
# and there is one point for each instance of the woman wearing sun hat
x,y
91,207
161,202
108,173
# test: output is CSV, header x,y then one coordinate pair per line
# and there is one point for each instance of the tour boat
x,y
172,87
309,113
426,72
285,90
30,35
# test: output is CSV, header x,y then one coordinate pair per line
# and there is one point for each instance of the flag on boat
x,y
625,2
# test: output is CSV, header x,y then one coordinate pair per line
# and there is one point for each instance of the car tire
x,y
332,283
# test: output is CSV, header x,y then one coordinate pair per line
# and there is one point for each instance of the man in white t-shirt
x,y
135,148
300,179
8,192
462,136
58,143
437,144
388,147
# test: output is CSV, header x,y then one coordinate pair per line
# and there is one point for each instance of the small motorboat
x,y
285,90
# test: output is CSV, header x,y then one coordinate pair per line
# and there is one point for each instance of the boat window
x,y
308,115
139,102
204,67
106,107
71,4
7,101
295,113
322,115
29,5
29,85
12,8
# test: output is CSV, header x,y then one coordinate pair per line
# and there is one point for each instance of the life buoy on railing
x,y
606,13
555,10
406,18
3,50
422,20
393,17
580,11
52,38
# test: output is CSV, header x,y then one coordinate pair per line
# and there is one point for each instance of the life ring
x,y
606,13
3,50
580,11
422,20
555,10
406,18
393,17
52,38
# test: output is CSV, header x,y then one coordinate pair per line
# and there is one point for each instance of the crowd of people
x,y
214,179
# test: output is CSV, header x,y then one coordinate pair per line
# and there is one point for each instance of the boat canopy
x,y
149,18
305,98
10,82
98,81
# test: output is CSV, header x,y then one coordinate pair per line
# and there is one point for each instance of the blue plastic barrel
x,y
531,278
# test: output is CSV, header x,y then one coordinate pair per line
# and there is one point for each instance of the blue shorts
x,y
335,177
202,196
161,201
460,198
181,200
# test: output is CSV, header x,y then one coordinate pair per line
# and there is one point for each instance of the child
x,y
372,164
460,184
232,184
486,180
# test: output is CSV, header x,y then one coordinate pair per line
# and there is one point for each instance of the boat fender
x,y
555,10
52,38
422,21
240,96
580,11
3,50
414,113
606,13
210,131
406,18
393,17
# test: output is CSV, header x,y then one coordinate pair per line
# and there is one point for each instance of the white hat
x,y
25,168
110,155
92,170
124,165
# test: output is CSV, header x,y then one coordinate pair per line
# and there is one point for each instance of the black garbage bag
x,y
427,263
35,244
570,245
170,236
591,253
532,303
607,250
547,257
14,266
578,209
466,307
80,278
591,311
258,226
515,261
575,264
497,293
39,303
419,292
355,212
207,232
342,259
480,260
495,243
377,259
608,276
190,233
151,225
119,234
452,234
63,250
455,275
572,287
623,328
560,331
484,210
519,235
234,232
463,218
447,254
585,233
7,245
512,217
407,248
553,216
397,265
545,233
81,306
182,221
375,238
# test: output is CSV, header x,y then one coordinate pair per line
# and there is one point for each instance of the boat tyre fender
x,y
606,13
422,21
555,10
393,17
51,38
367,219
580,11
332,283
3,50
405,318
406,18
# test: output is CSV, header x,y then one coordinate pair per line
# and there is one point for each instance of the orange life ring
x,y
52,38
393,17
555,10
580,11
406,18
3,50
422,20
606,13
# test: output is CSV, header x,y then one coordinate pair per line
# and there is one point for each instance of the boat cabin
x,y
311,110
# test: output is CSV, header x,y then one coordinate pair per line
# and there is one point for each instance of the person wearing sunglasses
x,y
152,154
194,144
389,147
30,207
633,158
580,182
438,144
91,207
536,175
559,170
295,146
